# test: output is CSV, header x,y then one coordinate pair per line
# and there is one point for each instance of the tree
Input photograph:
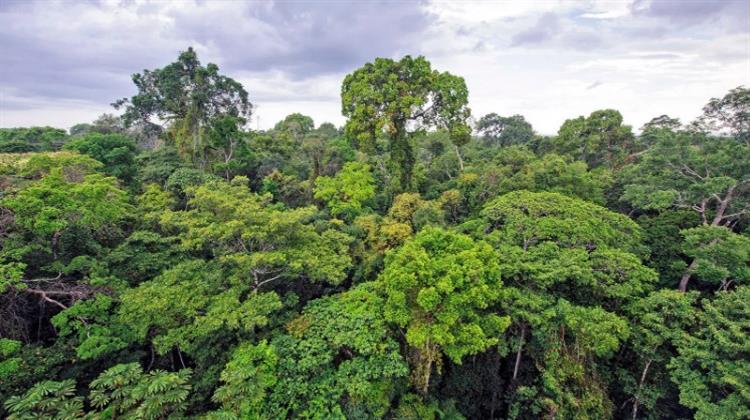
x,y
238,247
229,142
104,124
555,173
115,151
192,304
661,234
505,131
32,139
247,379
125,390
187,96
49,206
155,167
48,399
719,255
658,321
690,171
335,360
712,368
439,287
569,268
599,139
92,325
227,221
390,97
59,223
295,125
346,193
729,114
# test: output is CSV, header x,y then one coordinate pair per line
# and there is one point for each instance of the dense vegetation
x,y
414,264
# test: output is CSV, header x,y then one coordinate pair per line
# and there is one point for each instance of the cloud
x,y
303,38
692,12
545,29
542,59
87,51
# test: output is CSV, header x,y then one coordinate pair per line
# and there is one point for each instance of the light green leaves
x,y
55,202
126,390
191,302
228,221
335,360
440,286
721,256
347,192
525,219
48,399
712,369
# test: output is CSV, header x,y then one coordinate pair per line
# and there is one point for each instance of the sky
x,y
62,63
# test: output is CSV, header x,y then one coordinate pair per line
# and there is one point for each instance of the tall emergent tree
x,y
505,131
601,139
399,98
687,170
185,96
729,115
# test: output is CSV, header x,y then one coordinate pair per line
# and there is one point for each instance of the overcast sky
x,y
62,63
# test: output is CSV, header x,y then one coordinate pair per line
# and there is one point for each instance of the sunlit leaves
x,y
347,192
126,390
439,287
712,368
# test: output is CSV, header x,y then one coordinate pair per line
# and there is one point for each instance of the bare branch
x,y
43,295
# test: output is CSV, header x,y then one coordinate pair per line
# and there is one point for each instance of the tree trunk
x,y
723,205
518,353
636,402
460,159
686,277
426,374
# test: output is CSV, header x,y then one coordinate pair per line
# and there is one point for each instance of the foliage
x,y
387,96
712,368
183,265
263,242
439,287
505,131
125,390
32,139
721,256
192,302
686,171
569,270
599,139
729,115
190,96
335,360
48,399
8,363
346,193
115,151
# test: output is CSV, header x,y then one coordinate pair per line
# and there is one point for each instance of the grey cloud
x,y
550,30
594,85
692,12
544,30
67,51
309,38
582,40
